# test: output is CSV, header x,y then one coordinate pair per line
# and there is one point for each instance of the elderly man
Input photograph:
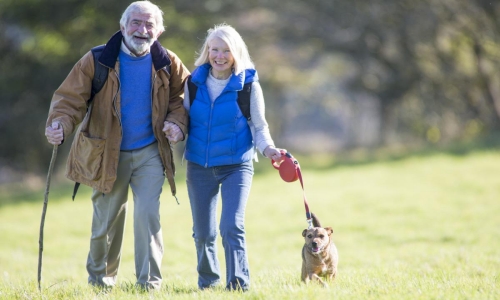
x,y
124,140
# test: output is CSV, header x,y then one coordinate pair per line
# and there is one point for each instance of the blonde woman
x,y
219,151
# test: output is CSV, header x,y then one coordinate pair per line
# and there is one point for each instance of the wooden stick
x,y
44,211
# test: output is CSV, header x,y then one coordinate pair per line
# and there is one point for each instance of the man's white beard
x,y
138,48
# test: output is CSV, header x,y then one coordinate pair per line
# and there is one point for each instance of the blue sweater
x,y
136,114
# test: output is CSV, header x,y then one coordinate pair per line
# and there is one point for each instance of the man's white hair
x,y
143,7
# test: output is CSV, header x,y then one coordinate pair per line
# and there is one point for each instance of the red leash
x,y
289,170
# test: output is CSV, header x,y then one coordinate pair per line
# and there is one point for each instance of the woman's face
x,y
221,59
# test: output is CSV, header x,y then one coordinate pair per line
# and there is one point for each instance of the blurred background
x,y
339,77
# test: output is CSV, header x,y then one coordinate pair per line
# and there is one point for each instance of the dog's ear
x,y
329,230
304,233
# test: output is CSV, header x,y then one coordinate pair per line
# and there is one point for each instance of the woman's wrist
x,y
267,149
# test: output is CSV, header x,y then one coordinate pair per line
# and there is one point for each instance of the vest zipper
x,y
209,130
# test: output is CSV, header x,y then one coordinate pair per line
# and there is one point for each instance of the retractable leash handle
x,y
289,170
288,167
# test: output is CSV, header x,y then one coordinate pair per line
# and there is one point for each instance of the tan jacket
x,y
94,154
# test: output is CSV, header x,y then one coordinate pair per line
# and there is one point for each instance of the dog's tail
x,y
315,220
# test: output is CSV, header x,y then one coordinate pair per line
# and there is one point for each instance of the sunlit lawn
x,y
425,227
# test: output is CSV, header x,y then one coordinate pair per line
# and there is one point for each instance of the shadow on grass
x,y
130,288
62,189
17,194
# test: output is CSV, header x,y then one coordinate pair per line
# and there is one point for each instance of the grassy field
x,y
420,227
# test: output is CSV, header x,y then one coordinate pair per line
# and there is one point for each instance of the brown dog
x,y
319,254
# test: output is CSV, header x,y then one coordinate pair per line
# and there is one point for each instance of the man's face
x,y
140,32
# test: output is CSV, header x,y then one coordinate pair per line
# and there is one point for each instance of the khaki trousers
x,y
143,171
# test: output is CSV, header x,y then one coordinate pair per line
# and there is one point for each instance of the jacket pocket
x,y
88,156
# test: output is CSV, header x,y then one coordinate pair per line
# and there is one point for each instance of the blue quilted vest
x,y
218,132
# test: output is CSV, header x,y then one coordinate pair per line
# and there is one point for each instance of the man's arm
x,y
69,102
176,113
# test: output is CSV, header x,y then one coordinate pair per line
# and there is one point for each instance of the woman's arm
x,y
262,136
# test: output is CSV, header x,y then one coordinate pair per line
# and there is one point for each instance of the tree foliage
x,y
350,73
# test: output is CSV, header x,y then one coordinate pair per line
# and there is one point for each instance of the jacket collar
x,y
112,49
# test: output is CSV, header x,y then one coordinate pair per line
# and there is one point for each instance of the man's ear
x,y
158,35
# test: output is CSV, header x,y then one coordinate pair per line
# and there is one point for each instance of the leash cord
x,y
306,205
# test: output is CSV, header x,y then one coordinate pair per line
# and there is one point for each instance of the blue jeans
x,y
233,182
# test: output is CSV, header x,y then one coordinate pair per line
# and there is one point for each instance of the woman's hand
x,y
172,132
275,154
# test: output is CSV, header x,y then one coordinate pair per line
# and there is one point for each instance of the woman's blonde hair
x,y
235,43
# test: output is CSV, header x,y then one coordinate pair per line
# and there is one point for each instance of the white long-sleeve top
x,y
258,124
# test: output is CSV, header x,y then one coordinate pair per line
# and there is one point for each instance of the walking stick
x,y
40,239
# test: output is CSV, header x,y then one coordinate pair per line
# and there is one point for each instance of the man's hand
x,y
54,133
172,132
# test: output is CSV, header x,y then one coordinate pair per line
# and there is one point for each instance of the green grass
x,y
423,227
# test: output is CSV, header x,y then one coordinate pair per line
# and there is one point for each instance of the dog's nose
x,y
315,244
